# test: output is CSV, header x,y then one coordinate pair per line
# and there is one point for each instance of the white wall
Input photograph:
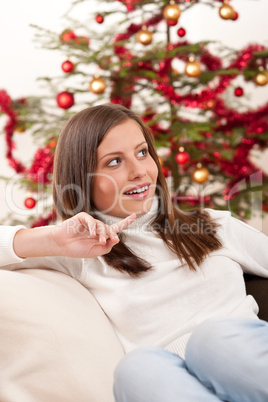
x,y
22,61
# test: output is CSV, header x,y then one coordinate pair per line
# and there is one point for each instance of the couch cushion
x,y
56,344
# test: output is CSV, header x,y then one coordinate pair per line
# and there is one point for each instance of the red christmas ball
x,y
265,208
30,203
181,32
236,15
67,35
165,171
171,23
99,18
65,100
67,66
182,157
82,41
238,91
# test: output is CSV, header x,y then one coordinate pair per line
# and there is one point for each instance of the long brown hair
x,y
74,167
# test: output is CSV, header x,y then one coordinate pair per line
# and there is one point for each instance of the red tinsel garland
x,y
42,165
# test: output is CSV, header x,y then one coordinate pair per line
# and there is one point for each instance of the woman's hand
x,y
81,236
86,237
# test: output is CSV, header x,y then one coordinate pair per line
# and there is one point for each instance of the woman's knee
x,y
135,364
227,335
138,373
229,351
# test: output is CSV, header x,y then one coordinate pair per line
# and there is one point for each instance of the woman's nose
x,y
136,170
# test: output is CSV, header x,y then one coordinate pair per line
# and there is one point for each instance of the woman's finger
x,y
88,222
103,231
124,223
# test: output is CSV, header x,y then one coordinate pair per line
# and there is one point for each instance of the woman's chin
x,y
139,207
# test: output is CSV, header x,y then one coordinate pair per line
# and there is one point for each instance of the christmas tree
x,y
136,53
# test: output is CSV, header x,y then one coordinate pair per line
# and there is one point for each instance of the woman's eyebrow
x,y
120,152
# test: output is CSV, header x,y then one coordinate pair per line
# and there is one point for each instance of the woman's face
x,y
126,174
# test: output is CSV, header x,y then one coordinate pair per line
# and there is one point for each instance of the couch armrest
x,y
258,288
56,344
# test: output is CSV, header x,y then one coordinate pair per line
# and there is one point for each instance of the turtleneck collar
x,y
140,222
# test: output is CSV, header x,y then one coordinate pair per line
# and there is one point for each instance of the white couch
x,y
56,344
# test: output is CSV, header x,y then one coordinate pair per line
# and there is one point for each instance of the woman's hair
x,y
191,235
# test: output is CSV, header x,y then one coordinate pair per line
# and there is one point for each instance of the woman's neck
x,y
140,221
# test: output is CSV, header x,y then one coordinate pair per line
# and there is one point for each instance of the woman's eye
x,y
143,152
114,162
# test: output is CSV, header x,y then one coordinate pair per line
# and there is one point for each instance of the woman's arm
x,y
243,244
81,236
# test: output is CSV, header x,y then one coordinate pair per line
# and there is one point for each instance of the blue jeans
x,y
225,360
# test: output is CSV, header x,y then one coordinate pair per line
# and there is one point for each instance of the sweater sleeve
x,y
243,243
11,262
7,254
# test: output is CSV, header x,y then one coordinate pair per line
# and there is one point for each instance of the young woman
x,y
170,282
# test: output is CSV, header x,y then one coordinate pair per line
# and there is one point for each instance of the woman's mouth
x,y
139,192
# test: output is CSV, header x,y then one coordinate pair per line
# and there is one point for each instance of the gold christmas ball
x,y
226,12
97,85
175,73
161,161
172,11
144,36
193,68
261,78
200,175
21,127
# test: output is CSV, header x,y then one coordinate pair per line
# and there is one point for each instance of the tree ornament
x,y
67,35
67,66
82,41
97,85
182,157
175,73
226,11
161,161
236,15
20,127
181,32
193,67
172,23
105,63
200,174
172,11
99,19
238,91
165,171
30,203
265,207
261,78
65,100
144,36
52,144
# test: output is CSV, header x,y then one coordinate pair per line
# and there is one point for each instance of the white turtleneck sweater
x,y
164,305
